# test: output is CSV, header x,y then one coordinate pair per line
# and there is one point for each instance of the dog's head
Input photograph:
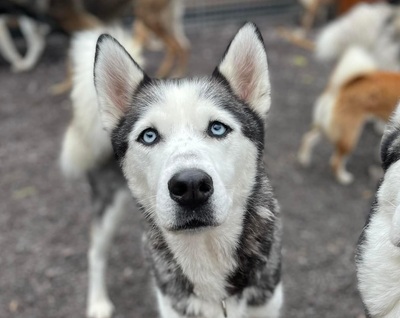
x,y
189,148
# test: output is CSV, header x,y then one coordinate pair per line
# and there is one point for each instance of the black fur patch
x,y
119,136
167,273
258,252
361,240
252,124
390,148
104,182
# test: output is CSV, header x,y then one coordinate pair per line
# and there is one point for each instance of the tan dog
x,y
163,18
356,92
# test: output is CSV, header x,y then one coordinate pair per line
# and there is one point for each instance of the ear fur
x,y
116,76
245,68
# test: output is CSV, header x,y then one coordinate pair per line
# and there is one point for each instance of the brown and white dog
x,y
357,91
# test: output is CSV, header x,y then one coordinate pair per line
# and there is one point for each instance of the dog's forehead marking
x,y
186,95
186,104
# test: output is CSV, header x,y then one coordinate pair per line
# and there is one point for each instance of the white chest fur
x,y
207,257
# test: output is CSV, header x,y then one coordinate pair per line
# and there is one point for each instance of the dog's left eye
x,y
218,129
149,137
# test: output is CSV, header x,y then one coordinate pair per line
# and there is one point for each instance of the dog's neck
x,y
215,264
208,257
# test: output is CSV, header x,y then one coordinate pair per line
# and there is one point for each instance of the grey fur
x,y
104,182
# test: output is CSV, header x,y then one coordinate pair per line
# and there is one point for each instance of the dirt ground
x,y
44,220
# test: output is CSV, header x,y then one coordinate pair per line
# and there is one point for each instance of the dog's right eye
x,y
217,129
149,137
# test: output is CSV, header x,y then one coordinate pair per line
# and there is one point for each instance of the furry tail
x,y
350,30
86,144
354,63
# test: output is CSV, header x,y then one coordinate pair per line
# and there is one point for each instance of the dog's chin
x,y
192,226
193,220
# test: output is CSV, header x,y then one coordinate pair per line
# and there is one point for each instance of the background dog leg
x,y
183,55
7,47
348,131
34,35
171,47
338,163
309,17
103,228
310,139
177,14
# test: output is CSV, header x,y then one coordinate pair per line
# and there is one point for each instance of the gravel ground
x,y
44,220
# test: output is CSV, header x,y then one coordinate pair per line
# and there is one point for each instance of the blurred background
x,y
45,219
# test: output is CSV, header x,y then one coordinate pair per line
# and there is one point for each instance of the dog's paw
x,y
102,308
344,177
303,159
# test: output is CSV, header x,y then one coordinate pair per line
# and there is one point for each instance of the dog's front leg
x,y
105,222
310,139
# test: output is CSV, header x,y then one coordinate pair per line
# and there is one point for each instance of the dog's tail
x,y
350,30
355,63
86,144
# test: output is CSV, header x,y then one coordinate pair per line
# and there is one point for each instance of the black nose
x,y
191,187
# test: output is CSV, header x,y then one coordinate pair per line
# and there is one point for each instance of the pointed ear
x,y
245,68
116,78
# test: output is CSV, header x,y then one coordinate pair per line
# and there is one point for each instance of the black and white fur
x,y
213,239
378,254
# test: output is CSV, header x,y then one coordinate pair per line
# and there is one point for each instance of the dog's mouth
x,y
192,225
193,220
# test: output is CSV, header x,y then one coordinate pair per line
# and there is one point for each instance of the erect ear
x,y
245,67
116,78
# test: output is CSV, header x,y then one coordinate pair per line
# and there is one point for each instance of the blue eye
x,y
218,129
149,136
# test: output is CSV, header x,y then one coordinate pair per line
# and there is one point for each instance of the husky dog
x,y
378,253
191,151
370,26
